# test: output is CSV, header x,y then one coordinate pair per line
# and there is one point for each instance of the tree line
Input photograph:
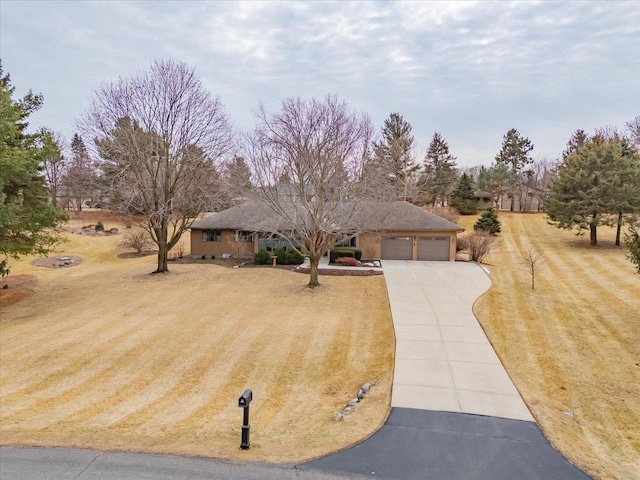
x,y
160,147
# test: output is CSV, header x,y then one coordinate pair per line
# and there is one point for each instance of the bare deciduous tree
x,y
533,261
137,240
479,245
307,158
632,130
159,135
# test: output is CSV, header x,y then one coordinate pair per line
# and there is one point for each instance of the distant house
x,y
484,200
403,232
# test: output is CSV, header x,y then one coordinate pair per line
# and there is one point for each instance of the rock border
x,y
59,261
351,404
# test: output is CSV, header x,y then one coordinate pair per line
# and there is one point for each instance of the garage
x,y
433,248
397,248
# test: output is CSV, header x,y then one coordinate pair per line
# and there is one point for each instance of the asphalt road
x,y
67,464
413,444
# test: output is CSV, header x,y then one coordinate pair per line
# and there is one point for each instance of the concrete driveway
x,y
443,358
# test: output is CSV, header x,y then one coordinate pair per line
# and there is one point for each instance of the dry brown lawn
x,y
105,355
572,346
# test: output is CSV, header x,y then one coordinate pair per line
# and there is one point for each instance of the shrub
x,y
281,255
262,257
344,252
295,258
488,222
479,245
99,227
288,257
348,262
138,241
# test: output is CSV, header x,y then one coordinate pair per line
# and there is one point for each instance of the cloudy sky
x,y
469,70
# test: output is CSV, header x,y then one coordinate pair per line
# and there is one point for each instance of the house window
x,y
244,236
347,242
270,242
211,235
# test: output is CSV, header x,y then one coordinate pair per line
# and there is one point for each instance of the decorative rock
x,y
360,394
347,411
352,402
337,416
365,388
64,259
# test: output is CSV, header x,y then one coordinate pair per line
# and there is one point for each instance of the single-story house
x,y
402,232
484,200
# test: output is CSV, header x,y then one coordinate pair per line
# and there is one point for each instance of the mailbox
x,y
245,399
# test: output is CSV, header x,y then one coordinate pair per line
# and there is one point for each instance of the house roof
x,y
254,216
482,193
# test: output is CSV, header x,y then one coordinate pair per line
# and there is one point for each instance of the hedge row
x,y
284,257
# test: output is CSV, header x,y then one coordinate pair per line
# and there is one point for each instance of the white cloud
x,y
470,70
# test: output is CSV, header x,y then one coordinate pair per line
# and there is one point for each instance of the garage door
x,y
397,248
433,248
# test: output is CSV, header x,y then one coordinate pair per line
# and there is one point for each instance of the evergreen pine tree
x,y
488,222
514,154
27,218
632,241
463,198
439,175
588,190
81,179
394,156
577,140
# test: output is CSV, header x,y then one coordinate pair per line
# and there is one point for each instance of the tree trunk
x,y
314,261
513,201
619,228
162,259
594,234
163,248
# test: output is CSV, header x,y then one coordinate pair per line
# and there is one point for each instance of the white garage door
x,y
433,248
397,248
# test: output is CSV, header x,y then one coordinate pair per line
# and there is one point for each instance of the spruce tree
x,y
81,180
488,222
27,217
439,175
514,154
463,198
394,156
596,181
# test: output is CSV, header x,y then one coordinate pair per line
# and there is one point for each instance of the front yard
x,y
105,355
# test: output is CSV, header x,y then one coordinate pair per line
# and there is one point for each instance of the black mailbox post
x,y
244,402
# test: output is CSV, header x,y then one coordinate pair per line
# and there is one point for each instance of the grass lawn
x,y
105,355
572,346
